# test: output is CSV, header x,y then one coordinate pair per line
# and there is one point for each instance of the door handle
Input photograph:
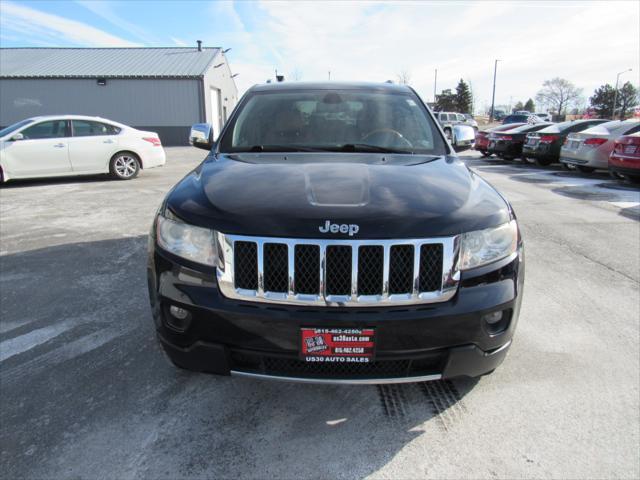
x,y
59,145
107,141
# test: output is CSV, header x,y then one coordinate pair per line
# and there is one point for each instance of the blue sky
x,y
585,42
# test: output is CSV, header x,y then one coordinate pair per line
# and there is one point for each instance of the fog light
x,y
491,318
177,318
496,322
179,313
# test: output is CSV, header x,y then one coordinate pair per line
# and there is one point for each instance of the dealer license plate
x,y
337,345
629,149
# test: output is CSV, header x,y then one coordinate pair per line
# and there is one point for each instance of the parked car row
x,y
55,146
584,145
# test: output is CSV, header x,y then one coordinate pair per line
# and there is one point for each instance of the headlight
x,y
187,241
485,246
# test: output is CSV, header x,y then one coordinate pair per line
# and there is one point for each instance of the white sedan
x,y
56,146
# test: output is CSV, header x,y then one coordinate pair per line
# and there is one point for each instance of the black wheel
x,y
507,157
485,153
583,169
543,162
124,166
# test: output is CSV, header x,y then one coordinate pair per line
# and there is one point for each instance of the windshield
x,y
333,120
14,127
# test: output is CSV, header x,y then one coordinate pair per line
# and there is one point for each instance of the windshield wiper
x,y
276,148
365,147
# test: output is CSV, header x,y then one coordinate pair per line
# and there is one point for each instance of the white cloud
x,y
179,42
374,41
105,11
47,29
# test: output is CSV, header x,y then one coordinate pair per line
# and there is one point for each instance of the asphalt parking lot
x,y
87,393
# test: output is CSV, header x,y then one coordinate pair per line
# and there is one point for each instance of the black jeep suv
x,y
332,235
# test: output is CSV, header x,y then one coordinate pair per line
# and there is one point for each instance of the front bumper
x,y
414,343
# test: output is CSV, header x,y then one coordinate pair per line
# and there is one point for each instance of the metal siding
x,y
105,62
160,102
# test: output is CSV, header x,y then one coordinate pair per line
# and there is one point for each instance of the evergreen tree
x,y
463,99
529,106
602,101
446,101
519,106
627,99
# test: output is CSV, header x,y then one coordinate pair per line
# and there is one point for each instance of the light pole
x,y
435,82
615,95
493,97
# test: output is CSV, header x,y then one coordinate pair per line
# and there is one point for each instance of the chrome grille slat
x,y
300,290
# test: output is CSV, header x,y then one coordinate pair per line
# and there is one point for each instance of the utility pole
x,y
435,82
329,74
493,97
615,95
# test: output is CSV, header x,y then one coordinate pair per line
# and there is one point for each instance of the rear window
x,y
558,127
502,128
635,128
516,118
332,120
529,128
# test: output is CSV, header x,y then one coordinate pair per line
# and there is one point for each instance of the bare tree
x,y
559,94
404,77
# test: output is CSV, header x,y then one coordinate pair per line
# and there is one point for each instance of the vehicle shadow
x,y
42,182
86,389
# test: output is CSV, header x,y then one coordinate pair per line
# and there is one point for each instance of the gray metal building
x,y
164,90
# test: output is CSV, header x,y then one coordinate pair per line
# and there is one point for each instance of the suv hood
x,y
284,196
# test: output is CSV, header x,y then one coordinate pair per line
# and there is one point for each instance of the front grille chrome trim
x,y
449,285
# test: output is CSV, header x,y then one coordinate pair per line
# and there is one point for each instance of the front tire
x,y
124,166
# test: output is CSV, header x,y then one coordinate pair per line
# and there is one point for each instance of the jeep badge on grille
x,y
351,229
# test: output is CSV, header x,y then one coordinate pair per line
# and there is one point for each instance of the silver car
x,y
471,121
589,149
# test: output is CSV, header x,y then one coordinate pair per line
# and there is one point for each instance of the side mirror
x,y
17,136
463,137
201,136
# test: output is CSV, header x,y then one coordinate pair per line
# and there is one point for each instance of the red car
x,y
482,137
624,161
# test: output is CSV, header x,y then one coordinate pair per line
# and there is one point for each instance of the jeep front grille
x,y
338,272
